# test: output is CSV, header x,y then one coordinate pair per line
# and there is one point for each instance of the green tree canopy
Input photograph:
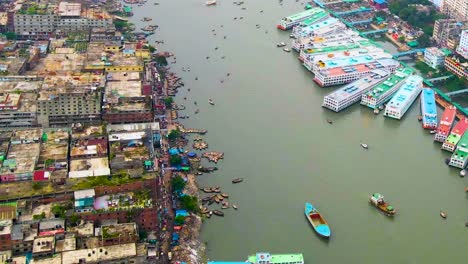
x,y
179,220
174,134
175,160
178,183
189,203
168,102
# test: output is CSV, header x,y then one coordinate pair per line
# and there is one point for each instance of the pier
x,y
439,79
372,32
409,52
457,92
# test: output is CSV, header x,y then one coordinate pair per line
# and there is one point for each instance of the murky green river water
x,y
269,122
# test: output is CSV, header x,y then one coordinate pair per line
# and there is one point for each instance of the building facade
x,y
462,48
434,57
447,32
457,66
457,9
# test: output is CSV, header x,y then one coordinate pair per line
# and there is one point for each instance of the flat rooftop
x,y
328,23
67,244
354,57
5,227
89,167
84,131
29,134
15,102
428,101
84,147
8,210
86,229
55,259
122,89
53,151
25,156
99,254
21,86
70,83
395,79
54,63
66,9
110,231
359,86
43,244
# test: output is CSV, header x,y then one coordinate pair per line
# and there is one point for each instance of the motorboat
x,y
286,49
364,146
237,180
210,3
378,201
281,44
317,221
211,102
462,173
443,214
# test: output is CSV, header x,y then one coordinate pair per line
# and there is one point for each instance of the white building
x,y
434,57
457,9
462,48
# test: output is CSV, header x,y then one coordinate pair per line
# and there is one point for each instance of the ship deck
x,y
446,120
403,96
428,106
391,82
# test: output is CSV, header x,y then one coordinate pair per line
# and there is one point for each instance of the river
x,y
269,122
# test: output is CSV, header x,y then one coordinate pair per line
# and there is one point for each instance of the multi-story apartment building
x,y
35,21
70,98
457,65
462,48
457,9
447,32
435,57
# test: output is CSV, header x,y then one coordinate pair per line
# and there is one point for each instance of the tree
x,y
175,160
189,203
36,186
151,49
401,39
161,60
168,102
174,134
143,234
10,35
39,216
119,24
424,41
179,220
58,211
74,219
178,183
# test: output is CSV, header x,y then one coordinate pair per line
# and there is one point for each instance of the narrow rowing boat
x,y
317,221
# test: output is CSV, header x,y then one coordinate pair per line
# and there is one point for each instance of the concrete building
x,y
70,98
447,32
462,48
457,65
434,57
457,9
117,234
22,237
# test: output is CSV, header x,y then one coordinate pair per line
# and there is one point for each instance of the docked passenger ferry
x,y
267,258
457,132
384,91
306,55
459,158
325,27
341,71
293,20
428,109
404,97
310,42
351,93
446,123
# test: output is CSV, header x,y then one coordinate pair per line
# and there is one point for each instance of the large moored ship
x,y
267,258
325,27
459,158
428,109
345,70
384,91
404,97
454,137
446,123
304,43
351,93
293,20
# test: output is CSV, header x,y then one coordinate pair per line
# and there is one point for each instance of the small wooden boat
x,y
216,199
206,199
378,201
207,190
420,118
286,49
217,190
466,189
211,102
237,180
234,206
224,207
329,121
317,221
462,173
225,195
209,214
218,213
376,111
219,197
443,214
211,201
364,146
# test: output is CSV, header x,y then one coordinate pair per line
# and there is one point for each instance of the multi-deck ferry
x,y
446,122
384,91
334,72
267,258
457,132
306,55
428,109
351,93
404,97
304,43
293,20
459,158
325,27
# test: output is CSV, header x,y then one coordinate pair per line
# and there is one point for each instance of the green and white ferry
x,y
267,258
